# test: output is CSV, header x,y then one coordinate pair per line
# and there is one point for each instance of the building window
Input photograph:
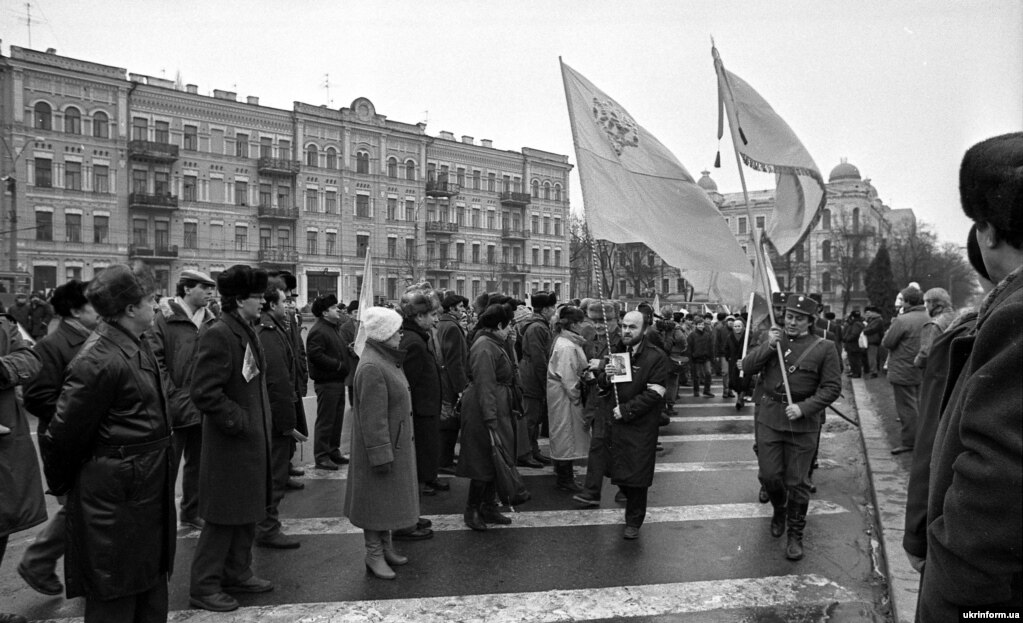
x,y
536,189
139,181
460,251
44,173
72,121
73,175
100,229
139,129
546,257
362,162
73,227
557,192
392,248
100,125
410,170
392,208
100,178
460,176
310,243
331,200
162,134
410,210
475,253
265,238
266,193
476,180
781,283
284,149
191,138
284,239
42,116
800,256
491,182
547,226
490,220
331,158
392,288
535,224
557,227
241,191
826,282
161,234
536,257
826,251
312,157
241,238
284,197
310,200
361,244
241,145
161,183
742,224
392,167
191,237
760,222
362,206
557,262
331,243
140,232
546,190
800,284
266,146
825,219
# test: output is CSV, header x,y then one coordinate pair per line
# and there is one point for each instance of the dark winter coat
x,y
933,389
327,353
903,343
282,373
112,425
21,489
536,343
348,330
55,352
932,329
598,402
421,370
39,319
874,331
851,336
234,472
23,314
382,434
174,339
634,436
454,351
975,508
701,345
489,398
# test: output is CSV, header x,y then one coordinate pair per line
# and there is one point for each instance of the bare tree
x,y
850,254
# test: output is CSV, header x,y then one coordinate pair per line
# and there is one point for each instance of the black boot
x,y
489,506
777,497
797,523
472,517
566,477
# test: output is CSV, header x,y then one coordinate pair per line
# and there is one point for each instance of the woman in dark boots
x,y
486,406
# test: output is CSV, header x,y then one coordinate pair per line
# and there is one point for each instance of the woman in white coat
x,y
570,439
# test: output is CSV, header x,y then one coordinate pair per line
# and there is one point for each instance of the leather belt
x,y
131,449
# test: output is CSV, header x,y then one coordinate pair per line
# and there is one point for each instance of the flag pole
x,y
749,323
728,103
593,243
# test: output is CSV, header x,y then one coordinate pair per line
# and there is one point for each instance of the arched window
x,y
546,190
101,125
410,170
331,158
361,162
43,116
799,253
392,167
826,282
72,121
825,219
826,251
536,189
312,156
557,192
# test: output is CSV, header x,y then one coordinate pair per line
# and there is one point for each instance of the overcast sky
x,y
901,89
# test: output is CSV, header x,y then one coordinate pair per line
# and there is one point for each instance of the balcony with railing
x,y
863,231
437,227
155,252
278,166
164,201
152,151
515,269
278,256
266,211
509,198
514,233
442,265
441,187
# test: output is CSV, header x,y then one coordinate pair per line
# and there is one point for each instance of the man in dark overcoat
x,y
453,355
975,502
229,388
329,365
787,433
636,420
535,343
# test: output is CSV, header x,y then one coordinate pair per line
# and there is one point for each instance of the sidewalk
x,y
889,477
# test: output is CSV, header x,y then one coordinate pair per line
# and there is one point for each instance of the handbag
x,y
862,341
511,489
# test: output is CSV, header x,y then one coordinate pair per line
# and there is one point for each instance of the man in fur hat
x,y
229,388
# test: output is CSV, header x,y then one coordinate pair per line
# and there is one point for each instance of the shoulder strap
x,y
816,340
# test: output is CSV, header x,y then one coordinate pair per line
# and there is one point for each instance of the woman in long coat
x,y
382,494
570,439
487,405
110,441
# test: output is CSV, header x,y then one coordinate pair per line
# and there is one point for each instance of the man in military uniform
x,y
787,433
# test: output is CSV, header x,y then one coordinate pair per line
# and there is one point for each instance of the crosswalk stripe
x,y
708,405
718,437
669,468
711,418
612,602
562,518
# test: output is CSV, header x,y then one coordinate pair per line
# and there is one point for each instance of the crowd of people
x,y
129,390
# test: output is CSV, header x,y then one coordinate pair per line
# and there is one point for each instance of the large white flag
x,y
635,190
766,143
366,299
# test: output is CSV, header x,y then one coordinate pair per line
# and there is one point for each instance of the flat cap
x,y
196,275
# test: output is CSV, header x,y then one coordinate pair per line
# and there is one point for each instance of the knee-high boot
x,y
777,497
391,555
797,523
565,474
488,509
375,562
477,489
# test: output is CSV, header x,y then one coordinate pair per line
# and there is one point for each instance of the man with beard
x,y
787,432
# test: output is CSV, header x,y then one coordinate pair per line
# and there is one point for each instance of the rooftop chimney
x,y
486,142
444,134
192,88
252,99
51,50
225,95
467,139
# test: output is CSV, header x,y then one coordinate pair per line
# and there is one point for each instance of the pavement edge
x,y
889,483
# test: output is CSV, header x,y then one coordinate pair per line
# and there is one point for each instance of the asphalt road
x,y
704,553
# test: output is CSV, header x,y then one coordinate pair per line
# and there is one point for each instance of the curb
x,y
889,483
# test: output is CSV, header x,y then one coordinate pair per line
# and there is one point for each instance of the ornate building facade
x,y
113,167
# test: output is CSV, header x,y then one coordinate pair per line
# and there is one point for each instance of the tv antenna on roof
x,y
326,85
